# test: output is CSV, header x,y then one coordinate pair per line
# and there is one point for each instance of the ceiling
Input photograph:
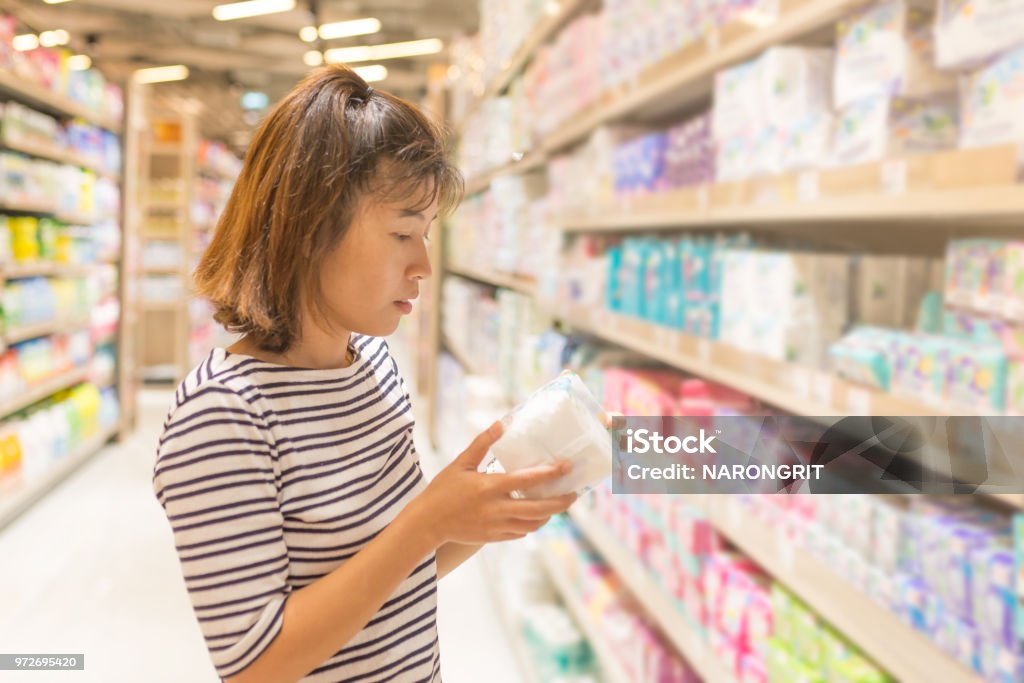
x,y
227,58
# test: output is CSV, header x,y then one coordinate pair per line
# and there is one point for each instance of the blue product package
x,y
650,304
629,277
613,288
697,271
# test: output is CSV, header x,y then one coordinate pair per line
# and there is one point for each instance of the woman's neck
x,y
315,349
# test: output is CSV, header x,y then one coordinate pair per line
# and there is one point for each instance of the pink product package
x,y
689,157
752,669
702,398
639,392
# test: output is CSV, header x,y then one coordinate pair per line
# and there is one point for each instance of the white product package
x,y
560,421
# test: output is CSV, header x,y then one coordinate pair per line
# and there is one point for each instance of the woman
x,y
309,541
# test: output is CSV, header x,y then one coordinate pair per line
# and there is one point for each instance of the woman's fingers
x,y
526,479
541,508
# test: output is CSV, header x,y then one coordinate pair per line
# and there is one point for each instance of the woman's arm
x,y
460,505
321,617
451,555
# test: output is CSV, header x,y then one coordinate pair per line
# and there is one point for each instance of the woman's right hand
x,y
463,505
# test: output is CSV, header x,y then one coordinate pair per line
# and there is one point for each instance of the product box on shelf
x,y
878,127
889,289
969,31
887,50
992,100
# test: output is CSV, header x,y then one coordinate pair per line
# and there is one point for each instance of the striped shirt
x,y
272,477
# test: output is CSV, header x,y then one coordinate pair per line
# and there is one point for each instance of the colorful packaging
x,y
992,100
887,50
969,31
874,128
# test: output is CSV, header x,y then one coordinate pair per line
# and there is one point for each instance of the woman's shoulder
x,y
221,381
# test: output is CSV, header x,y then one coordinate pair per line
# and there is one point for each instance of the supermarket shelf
x,y
512,627
48,150
793,388
49,210
44,269
927,189
868,625
22,500
655,601
40,97
165,205
688,76
76,218
514,282
611,667
26,207
42,390
1014,500
43,329
162,270
164,305
521,164
166,148
461,355
540,34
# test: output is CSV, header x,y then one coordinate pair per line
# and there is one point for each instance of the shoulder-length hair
x,y
332,141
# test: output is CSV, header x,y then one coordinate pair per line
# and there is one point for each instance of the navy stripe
x,y
226,506
373,478
222,487
230,518
245,534
351,525
223,572
387,438
276,538
362,657
235,582
273,624
161,470
383,454
210,477
239,601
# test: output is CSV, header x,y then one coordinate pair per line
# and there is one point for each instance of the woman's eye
x,y
403,238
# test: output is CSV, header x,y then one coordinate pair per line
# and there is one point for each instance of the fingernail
x,y
565,467
495,429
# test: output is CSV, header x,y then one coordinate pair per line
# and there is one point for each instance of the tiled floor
x,y
91,569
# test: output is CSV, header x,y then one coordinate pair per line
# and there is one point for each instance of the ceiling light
x,y
54,38
251,8
346,29
372,73
55,2
307,34
369,53
161,74
313,58
79,62
25,42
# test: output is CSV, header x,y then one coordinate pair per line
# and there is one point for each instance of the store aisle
x,y
91,569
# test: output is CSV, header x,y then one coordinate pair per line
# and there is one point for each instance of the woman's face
x,y
370,279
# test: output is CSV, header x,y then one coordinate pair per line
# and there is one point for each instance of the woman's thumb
x,y
477,450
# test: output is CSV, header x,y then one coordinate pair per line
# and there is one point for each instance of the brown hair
x,y
330,142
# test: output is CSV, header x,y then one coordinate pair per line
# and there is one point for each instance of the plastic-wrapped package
x,y
560,421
